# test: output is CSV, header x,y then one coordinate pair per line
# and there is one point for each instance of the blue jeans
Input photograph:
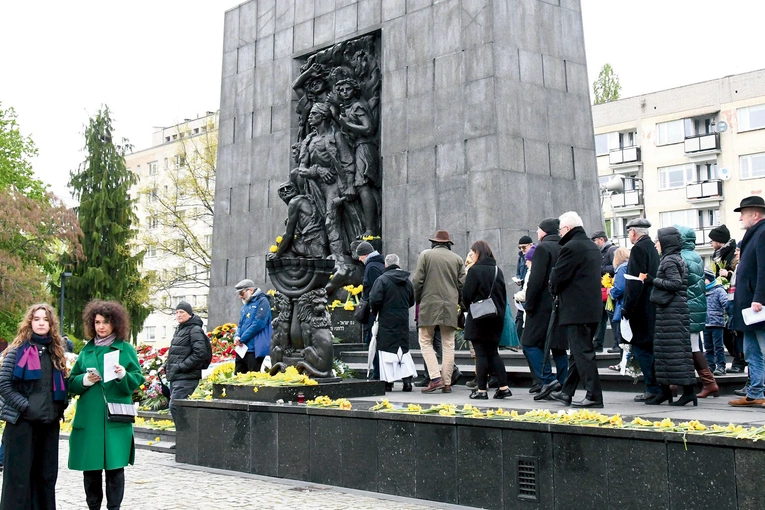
x,y
2,452
754,347
714,348
644,358
536,356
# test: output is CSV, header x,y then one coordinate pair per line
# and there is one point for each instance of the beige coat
x,y
438,282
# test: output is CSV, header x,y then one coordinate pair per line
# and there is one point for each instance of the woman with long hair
x,y
98,443
486,281
33,387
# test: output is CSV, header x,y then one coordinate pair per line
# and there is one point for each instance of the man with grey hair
x,y
575,280
637,307
254,329
390,299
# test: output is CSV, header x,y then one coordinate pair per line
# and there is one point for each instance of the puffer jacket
x,y
29,400
697,295
717,304
188,351
673,361
254,329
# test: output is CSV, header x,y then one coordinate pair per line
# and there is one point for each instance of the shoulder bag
x,y
120,413
485,308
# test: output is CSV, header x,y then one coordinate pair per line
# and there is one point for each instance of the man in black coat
x,y
391,298
637,307
538,306
750,293
374,265
187,356
606,267
576,280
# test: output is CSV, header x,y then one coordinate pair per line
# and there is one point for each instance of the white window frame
x,y
689,176
682,217
151,250
152,168
601,139
150,334
744,117
662,132
745,166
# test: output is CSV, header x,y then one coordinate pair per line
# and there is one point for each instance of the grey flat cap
x,y
639,223
245,284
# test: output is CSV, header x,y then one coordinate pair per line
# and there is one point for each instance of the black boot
x,y
407,383
666,394
688,396
115,488
94,491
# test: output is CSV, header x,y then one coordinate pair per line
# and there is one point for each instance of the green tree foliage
x,y
110,266
607,86
35,227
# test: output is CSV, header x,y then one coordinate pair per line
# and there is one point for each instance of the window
x,y
180,272
153,168
685,218
699,126
670,132
180,245
166,167
164,331
175,300
601,144
153,222
150,333
752,166
151,250
180,161
752,117
673,177
152,196
706,172
208,241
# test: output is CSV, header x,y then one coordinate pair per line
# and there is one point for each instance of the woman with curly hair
x,y
96,442
33,387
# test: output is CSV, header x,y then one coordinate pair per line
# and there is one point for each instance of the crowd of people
x,y
677,316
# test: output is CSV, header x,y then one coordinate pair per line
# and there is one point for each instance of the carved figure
x,y
304,235
311,87
317,337
280,339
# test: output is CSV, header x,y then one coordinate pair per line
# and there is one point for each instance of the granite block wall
x,y
485,119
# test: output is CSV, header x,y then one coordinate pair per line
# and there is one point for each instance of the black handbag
x,y
120,413
361,313
485,308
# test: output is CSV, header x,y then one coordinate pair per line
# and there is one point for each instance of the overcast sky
x,y
157,62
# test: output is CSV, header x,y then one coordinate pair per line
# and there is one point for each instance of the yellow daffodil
x,y
273,248
279,239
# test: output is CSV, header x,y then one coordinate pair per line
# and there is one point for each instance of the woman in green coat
x,y
96,443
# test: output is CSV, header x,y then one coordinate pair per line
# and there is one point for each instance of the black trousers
x,y
581,361
487,359
115,488
249,363
31,466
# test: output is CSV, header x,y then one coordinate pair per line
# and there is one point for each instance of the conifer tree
x,y
110,267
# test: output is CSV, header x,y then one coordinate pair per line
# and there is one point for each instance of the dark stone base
x,y
338,388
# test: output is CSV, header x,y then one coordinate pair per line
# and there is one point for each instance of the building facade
x,y
174,204
683,156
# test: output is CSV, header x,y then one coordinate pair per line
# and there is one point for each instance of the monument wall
x,y
485,123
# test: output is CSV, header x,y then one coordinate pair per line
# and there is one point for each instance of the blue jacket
x,y
617,291
717,303
521,269
254,329
750,276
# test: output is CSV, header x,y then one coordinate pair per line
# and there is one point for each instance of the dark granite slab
x,y
264,443
523,450
579,470
359,466
224,439
479,463
334,390
637,478
701,477
345,326
293,448
396,457
436,455
326,455
750,465
187,435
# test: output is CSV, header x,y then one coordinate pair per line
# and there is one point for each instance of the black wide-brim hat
x,y
750,202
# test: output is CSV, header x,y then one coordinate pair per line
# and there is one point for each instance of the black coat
x,y
750,276
373,268
391,298
607,259
188,351
673,361
576,279
539,301
478,285
29,400
636,306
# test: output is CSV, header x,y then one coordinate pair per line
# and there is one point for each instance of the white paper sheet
x,y
111,358
752,317
626,330
630,277
241,350
519,306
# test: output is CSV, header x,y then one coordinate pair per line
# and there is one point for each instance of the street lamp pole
x,y
64,276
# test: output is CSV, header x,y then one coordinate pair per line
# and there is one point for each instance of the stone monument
x,y
395,118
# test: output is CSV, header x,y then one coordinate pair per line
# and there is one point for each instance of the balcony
x,y
702,240
627,203
704,147
701,194
625,159
623,241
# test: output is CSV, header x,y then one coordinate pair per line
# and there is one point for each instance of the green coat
x,y
697,288
438,282
95,442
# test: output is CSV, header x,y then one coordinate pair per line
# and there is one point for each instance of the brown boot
x,y
707,379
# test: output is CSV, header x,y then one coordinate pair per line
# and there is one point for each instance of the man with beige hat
x,y
438,281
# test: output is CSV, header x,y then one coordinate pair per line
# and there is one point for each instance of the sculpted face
x,y
315,118
316,86
345,91
287,193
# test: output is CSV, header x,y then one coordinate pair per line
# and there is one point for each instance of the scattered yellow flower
x,y
273,248
279,239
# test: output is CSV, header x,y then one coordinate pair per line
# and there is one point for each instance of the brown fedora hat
x,y
750,202
442,236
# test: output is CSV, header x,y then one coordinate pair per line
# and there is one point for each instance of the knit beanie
x,y
364,248
183,305
549,225
525,240
720,234
709,275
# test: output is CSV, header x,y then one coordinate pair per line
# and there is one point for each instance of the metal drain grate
x,y
526,477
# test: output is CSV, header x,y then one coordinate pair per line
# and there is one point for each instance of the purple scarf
x,y
28,369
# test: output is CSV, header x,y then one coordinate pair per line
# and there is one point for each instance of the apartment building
x,y
174,200
686,156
